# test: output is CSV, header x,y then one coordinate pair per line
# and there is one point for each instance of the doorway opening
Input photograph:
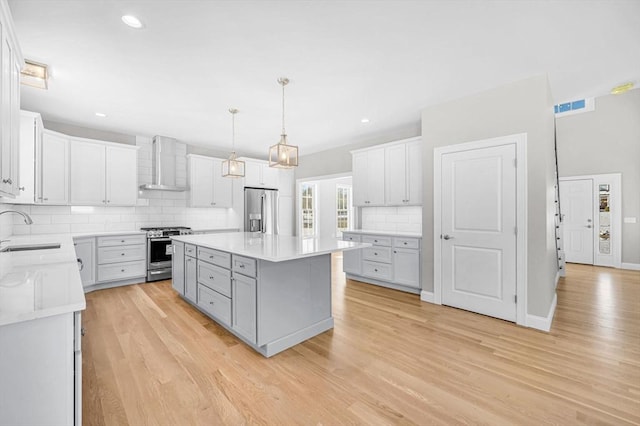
x,y
324,206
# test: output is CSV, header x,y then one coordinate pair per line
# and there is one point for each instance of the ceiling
x,y
347,60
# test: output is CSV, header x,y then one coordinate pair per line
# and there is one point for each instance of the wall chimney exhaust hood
x,y
163,166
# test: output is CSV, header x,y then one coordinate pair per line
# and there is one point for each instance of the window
x,y
308,210
343,208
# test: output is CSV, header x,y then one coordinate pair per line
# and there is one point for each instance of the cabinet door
x,y
201,181
414,173
375,177
122,176
244,307
359,166
252,173
270,176
190,279
406,267
351,259
85,255
14,111
88,174
29,133
177,267
395,175
55,170
5,116
222,186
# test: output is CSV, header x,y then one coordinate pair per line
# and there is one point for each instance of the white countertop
x,y
389,233
105,233
39,283
273,248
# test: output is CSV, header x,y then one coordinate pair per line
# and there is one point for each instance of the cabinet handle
x,y
82,331
241,265
104,201
46,199
9,181
405,243
395,251
210,257
375,241
210,277
376,270
121,270
81,265
21,188
375,254
108,201
122,241
121,254
211,303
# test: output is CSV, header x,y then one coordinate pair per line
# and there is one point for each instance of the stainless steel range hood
x,y
163,166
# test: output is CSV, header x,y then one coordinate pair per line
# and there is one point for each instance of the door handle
x,y
588,226
447,237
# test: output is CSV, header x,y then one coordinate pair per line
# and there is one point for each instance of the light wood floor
x,y
150,358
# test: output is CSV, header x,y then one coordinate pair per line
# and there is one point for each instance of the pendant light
x,y
282,155
233,167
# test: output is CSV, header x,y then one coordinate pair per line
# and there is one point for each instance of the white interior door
x,y
478,243
576,201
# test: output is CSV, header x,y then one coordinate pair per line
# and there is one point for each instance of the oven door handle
x,y
157,272
159,239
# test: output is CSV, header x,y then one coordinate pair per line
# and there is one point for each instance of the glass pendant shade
x,y
283,156
232,167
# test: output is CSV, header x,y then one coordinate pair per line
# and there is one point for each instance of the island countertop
x,y
272,248
39,283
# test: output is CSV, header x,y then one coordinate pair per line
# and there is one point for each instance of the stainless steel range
x,y
159,250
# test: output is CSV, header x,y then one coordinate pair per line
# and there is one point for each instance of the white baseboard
x,y
558,275
543,323
427,296
631,266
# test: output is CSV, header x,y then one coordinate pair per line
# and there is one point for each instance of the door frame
x,y
615,180
520,142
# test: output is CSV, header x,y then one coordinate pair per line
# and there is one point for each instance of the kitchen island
x,y
271,291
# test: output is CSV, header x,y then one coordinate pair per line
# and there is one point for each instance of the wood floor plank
x,y
150,358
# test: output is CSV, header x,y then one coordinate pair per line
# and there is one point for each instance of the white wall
x,y
607,140
6,221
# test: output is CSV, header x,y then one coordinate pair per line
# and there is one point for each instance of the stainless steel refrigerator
x,y
261,210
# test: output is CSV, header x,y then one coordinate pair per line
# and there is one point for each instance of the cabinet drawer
x,y
381,271
412,243
244,265
351,237
121,271
214,277
376,240
214,304
121,254
190,250
122,240
216,257
377,254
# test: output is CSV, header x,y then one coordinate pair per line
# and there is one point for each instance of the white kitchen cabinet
x,y
30,143
351,259
53,179
259,174
392,261
10,64
103,173
403,174
244,306
368,177
208,188
85,255
121,258
190,279
177,267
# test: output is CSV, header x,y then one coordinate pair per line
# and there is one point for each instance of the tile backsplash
x,y
407,219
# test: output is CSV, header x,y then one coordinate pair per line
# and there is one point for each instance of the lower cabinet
x,y
244,306
215,304
191,279
121,257
392,261
85,255
177,267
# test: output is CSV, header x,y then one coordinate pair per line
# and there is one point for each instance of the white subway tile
x,y
50,210
87,227
20,230
51,229
123,226
71,218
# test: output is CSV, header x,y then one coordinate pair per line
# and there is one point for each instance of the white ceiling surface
x,y
384,60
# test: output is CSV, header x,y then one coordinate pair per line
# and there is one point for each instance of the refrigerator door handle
x,y
262,214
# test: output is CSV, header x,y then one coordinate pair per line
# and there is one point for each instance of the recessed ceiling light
x,y
101,114
364,120
132,21
618,90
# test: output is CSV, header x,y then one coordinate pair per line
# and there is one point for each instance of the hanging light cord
x,y
233,132
283,84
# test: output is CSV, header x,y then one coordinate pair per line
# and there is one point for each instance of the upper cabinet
x,y
11,63
389,174
368,177
207,186
259,174
30,142
52,169
103,173
403,174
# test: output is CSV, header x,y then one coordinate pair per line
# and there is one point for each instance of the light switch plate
x,y
630,220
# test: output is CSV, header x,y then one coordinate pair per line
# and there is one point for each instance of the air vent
x,y
574,107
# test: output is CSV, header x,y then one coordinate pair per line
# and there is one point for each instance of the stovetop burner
x,y
164,231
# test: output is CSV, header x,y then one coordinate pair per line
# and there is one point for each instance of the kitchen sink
x,y
30,247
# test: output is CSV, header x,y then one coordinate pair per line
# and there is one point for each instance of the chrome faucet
x,y
26,217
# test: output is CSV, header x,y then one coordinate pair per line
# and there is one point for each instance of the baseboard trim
x,y
543,323
630,266
427,296
558,275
